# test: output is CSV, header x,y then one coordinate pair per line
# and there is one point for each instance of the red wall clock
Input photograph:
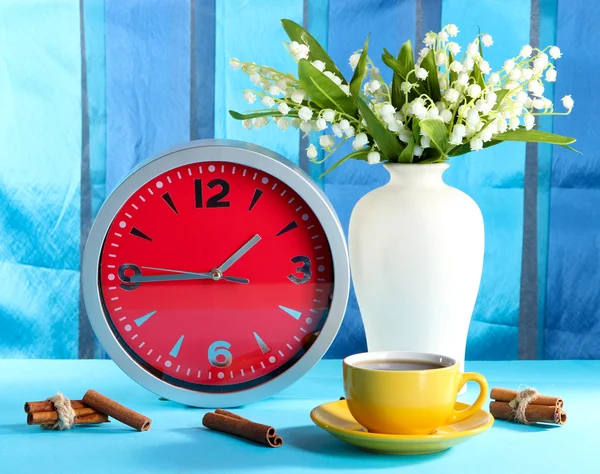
x,y
216,274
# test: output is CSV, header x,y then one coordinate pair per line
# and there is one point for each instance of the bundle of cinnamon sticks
x,y
541,409
93,408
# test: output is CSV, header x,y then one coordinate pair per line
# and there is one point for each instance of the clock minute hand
x,y
189,275
239,254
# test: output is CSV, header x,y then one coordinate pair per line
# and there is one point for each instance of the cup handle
x,y
459,415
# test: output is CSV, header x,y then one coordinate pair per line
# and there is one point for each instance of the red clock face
x,y
216,276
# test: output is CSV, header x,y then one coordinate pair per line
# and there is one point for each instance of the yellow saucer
x,y
335,418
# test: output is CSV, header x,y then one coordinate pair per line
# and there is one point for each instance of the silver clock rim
x,y
233,152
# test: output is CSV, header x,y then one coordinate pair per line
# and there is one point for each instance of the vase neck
x,y
416,175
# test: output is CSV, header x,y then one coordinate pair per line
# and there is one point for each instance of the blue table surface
x,y
177,441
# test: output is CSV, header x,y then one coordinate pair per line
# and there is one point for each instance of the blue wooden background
x,y
88,89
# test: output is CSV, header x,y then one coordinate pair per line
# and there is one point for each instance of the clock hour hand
x,y
239,254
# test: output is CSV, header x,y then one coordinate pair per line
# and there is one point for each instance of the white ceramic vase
x,y
416,251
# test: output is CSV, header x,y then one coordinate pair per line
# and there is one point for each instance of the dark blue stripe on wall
x,y
429,18
390,25
202,96
573,299
548,22
147,81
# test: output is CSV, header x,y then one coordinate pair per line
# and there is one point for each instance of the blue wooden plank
x,y
573,310
147,81
494,178
40,132
251,31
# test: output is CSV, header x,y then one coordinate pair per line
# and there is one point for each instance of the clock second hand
x,y
188,275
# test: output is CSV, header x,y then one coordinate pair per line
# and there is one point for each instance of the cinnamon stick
x,y
506,395
83,416
227,422
125,415
533,413
34,407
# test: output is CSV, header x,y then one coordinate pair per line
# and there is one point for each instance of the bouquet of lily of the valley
x,y
442,105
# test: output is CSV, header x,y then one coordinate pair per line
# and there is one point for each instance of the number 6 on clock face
x,y
210,274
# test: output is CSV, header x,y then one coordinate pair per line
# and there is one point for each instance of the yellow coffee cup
x,y
407,392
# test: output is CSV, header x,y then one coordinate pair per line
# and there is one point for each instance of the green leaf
x,y
357,155
407,154
478,76
402,67
406,62
431,155
535,136
433,86
269,113
416,128
359,72
466,148
388,143
500,94
300,35
453,75
437,133
322,90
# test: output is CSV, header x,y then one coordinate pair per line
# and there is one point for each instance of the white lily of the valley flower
x,y
442,81
440,58
476,144
360,141
509,65
344,124
337,130
487,40
555,52
328,115
354,60
515,74
526,51
247,123
494,78
456,66
538,103
452,30
345,88
463,79
446,115
551,75
526,74
417,151
294,46
454,48
418,109
283,108
387,112
474,90
268,101
306,126
514,123
320,65
298,96
255,77
235,63
350,131
424,52
320,124
274,90
473,118
433,113
311,152
567,102
540,62
454,139
469,63
472,49
249,97
326,141
406,87
260,122
528,121
405,136
425,142
430,38
336,80
296,122
443,36
305,113
484,67
421,73
302,52
283,123
373,158
373,86
451,95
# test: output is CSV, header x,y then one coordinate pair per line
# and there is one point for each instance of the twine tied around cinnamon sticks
x,y
526,407
60,413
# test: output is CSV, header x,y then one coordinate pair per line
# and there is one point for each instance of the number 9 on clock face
x,y
216,276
